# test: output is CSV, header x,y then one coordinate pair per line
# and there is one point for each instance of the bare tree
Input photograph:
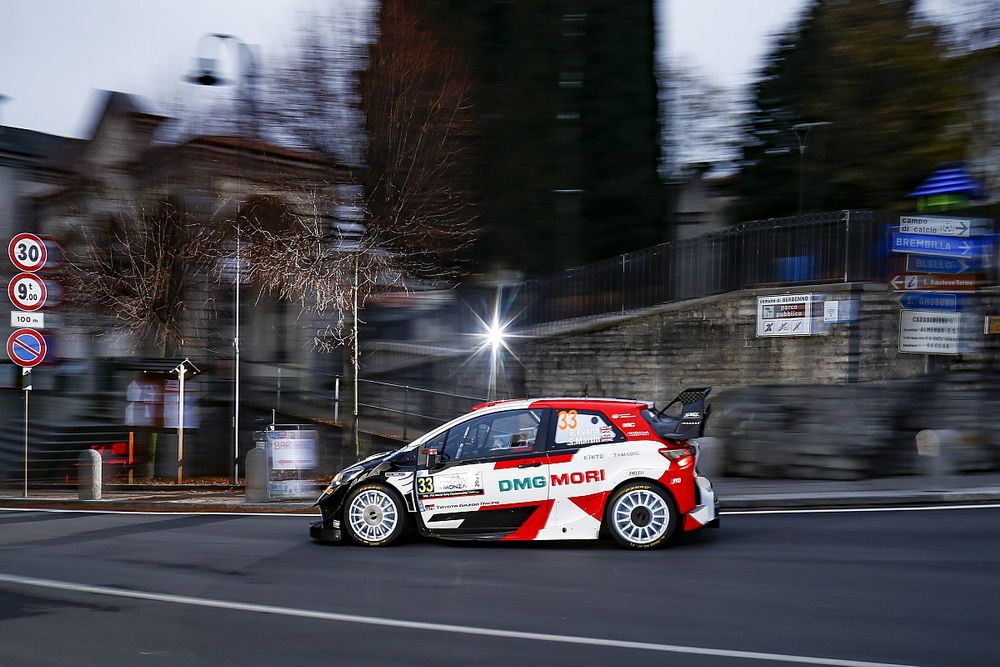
x,y
140,268
396,99
702,121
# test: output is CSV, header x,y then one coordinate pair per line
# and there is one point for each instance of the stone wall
x,y
713,341
842,405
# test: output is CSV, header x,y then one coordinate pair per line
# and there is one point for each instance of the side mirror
x,y
433,458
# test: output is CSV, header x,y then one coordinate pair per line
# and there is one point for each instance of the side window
x,y
499,434
578,428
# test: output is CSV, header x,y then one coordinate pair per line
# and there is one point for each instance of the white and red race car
x,y
534,469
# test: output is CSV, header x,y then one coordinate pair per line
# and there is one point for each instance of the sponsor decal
x,y
619,455
623,415
556,479
447,485
397,475
628,425
537,482
640,434
574,428
591,457
675,480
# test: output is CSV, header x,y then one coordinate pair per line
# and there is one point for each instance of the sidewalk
x,y
734,494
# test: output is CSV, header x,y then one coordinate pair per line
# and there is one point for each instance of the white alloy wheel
x,y
641,516
373,515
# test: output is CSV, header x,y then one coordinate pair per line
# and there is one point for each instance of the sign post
x,y
26,381
26,347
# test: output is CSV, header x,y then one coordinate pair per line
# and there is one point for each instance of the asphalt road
x,y
885,587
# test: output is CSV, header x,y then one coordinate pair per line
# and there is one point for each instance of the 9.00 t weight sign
x,y
27,291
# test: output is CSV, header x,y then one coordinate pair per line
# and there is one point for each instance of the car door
x,y
583,454
492,477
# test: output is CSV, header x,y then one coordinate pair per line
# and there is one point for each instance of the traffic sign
x,y
19,318
946,246
785,315
936,225
930,301
929,332
27,291
931,283
27,252
26,348
949,265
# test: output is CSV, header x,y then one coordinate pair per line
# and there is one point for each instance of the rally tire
x,y
640,515
374,515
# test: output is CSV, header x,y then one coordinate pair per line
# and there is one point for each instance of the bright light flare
x,y
494,339
496,335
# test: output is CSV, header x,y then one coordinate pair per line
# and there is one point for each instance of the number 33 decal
x,y
425,485
567,420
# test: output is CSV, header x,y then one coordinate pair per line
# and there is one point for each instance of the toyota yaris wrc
x,y
535,469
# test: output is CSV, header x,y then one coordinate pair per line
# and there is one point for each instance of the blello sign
x,y
946,265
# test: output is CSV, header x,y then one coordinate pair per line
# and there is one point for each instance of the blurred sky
x,y
55,53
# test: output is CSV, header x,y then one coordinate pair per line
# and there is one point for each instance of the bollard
x,y
936,450
256,476
91,475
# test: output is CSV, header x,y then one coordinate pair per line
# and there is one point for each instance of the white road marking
x,y
433,627
147,513
845,510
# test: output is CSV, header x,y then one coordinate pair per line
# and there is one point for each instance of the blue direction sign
x,y
947,265
26,348
930,301
946,246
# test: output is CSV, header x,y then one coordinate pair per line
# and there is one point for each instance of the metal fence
x,y
397,410
841,246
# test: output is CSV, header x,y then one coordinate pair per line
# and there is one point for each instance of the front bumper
x,y
323,532
328,529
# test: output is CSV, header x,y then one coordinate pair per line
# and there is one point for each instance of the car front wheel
x,y
374,515
641,515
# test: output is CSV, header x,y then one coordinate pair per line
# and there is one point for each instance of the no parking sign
x,y
26,348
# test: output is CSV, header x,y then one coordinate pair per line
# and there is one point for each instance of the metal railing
x,y
395,409
836,247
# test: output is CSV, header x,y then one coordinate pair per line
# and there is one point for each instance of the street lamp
x,y
205,74
801,131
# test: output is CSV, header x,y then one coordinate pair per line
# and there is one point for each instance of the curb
x,y
153,506
847,500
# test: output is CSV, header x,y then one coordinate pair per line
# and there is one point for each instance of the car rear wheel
x,y
640,515
374,515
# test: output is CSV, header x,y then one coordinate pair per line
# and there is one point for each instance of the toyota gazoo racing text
x,y
534,469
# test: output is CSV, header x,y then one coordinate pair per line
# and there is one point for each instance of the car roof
x,y
577,402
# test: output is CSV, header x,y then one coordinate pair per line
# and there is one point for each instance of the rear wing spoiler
x,y
693,414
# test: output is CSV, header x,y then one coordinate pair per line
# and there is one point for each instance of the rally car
x,y
534,469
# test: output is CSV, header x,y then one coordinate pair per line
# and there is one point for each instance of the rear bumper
x,y
706,514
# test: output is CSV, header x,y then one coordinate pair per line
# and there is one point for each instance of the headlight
x,y
345,476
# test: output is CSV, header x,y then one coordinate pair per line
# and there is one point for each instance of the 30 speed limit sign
x,y
27,291
27,252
